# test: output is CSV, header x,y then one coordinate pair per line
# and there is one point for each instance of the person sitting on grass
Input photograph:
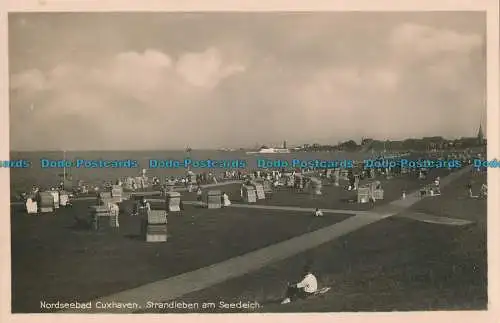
x,y
225,200
305,288
318,212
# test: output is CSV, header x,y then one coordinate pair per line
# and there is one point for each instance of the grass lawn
x,y
54,261
333,197
454,201
393,265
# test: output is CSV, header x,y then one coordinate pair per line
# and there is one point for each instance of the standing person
x,y
145,204
484,191
437,183
303,289
350,177
198,194
276,183
142,204
469,189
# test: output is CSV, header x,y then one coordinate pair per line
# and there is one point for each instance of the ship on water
x,y
271,150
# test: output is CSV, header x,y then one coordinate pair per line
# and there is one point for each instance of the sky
x,y
97,81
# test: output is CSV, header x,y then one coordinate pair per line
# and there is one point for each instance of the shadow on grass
x,y
273,301
79,225
135,237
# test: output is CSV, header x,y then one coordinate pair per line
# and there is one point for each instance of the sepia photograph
x,y
248,162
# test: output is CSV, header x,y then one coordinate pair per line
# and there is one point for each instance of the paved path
x,y
175,287
428,218
417,216
310,211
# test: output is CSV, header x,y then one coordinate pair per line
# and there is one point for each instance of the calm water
x,y
23,179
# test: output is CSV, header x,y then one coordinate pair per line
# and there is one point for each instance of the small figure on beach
x,y
469,189
276,183
483,193
145,204
225,200
351,179
437,183
199,194
31,206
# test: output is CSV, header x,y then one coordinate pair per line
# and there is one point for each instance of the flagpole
x,y
64,169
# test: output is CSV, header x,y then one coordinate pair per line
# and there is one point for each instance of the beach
x,y
22,179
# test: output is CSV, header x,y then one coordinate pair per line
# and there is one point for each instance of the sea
x,y
22,179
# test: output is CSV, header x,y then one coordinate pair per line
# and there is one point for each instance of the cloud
x,y
205,69
427,74
30,80
216,97
421,42
135,95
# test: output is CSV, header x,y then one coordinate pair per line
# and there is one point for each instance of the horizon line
x,y
218,148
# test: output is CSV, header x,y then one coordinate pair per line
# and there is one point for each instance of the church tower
x,y
480,134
